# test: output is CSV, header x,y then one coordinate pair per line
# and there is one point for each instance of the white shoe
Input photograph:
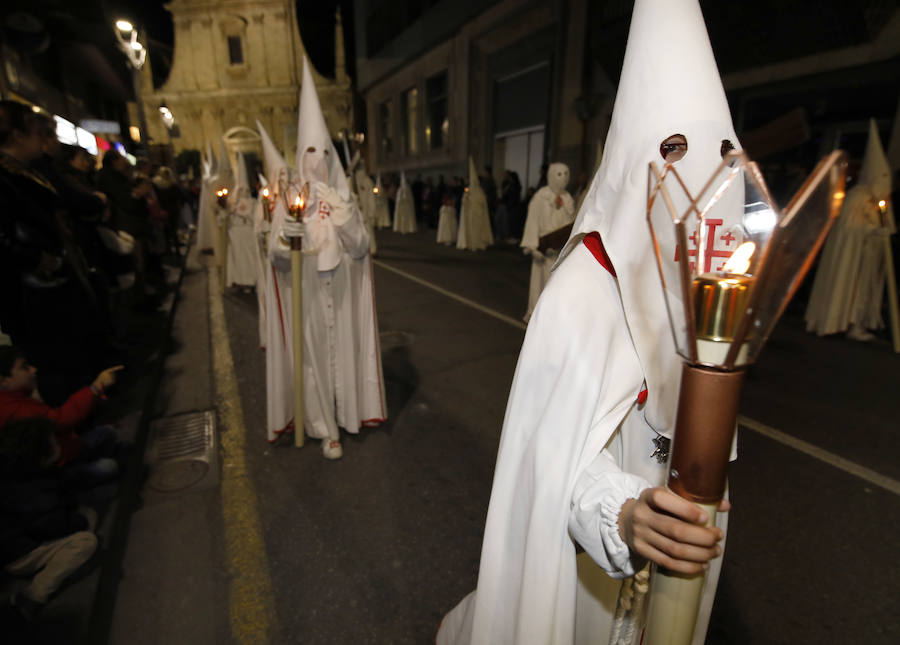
x,y
331,449
858,332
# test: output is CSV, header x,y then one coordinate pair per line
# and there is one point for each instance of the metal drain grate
x,y
182,450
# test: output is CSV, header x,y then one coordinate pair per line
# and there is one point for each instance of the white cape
x,y
577,379
446,230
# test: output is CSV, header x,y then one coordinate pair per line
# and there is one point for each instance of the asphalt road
x,y
376,547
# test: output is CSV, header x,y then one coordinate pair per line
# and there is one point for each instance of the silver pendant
x,y
661,449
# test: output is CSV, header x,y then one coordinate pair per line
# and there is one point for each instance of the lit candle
x,y
266,196
375,190
296,207
720,301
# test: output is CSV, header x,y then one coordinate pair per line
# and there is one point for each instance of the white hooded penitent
x,y
241,253
404,208
474,218
550,209
579,429
342,383
848,291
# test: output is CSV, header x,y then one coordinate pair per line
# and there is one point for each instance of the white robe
x,y
544,216
446,230
242,253
572,427
474,221
404,211
850,281
261,232
343,383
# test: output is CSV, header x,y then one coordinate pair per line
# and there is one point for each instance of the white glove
x,y
292,228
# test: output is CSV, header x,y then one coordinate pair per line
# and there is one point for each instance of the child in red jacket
x,y
85,453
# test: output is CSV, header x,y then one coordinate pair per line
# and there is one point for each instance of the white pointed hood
x,y
669,85
312,132
875,171
276,166
263,182
473,174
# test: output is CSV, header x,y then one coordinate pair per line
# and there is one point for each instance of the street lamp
x,y
136,53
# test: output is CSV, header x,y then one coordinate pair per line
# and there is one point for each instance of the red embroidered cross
x,y
729,238
711,251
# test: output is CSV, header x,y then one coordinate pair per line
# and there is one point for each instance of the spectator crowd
x,y
83,260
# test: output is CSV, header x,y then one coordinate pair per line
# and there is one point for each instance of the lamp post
x,y
721,315
136,54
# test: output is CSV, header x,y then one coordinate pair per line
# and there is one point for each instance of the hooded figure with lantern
x,y
549,210
342,375
582,456
848,290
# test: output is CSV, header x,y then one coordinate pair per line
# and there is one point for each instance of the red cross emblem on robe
x,y
720,244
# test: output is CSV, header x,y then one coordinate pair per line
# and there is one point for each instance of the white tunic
x,y
545,215
849,284
446,230
242,253
474,221
343,382
572,427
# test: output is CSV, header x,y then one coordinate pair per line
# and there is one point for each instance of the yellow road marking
x,y
250,595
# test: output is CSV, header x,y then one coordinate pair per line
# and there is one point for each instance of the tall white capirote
x,y
312,132
655,99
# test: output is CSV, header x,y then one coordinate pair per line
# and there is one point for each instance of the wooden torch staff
x,y
296,212
891,278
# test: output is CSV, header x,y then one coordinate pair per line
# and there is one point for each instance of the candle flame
x,y
739,261
265,193
375,190
882,204
224,191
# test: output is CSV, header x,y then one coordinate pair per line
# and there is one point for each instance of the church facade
x,y
236,62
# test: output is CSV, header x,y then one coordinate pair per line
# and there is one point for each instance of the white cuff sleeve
x,y
597,500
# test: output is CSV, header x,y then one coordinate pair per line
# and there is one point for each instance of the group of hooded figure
x,y
343,383
596,387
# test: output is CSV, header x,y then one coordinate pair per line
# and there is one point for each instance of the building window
x,y
409,114
437,123
385,120
235,50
